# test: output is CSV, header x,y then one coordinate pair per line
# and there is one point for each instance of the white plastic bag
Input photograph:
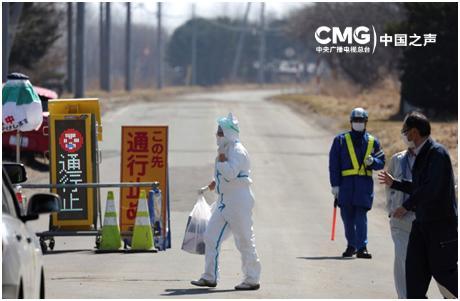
x,y
196,226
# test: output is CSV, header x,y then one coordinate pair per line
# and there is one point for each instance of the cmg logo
x,y
334,35
360,35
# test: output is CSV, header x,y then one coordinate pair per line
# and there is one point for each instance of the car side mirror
x,y
16,172
42,203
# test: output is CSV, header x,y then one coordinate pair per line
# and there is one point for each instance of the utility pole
x,y
80,53
194,74
10,24
239,47
261,75
5,39
159,48
107,48
69,47
128,79
101,47
16,10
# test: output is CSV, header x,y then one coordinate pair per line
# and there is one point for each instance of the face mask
x,y
358,126
220,141
409,144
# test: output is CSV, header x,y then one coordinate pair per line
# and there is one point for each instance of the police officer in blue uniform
x,y
352,158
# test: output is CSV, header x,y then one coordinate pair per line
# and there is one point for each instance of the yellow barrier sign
x,y
76,106
144,158
71,162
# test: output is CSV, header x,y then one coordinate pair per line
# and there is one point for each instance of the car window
x,y
9,195
7,201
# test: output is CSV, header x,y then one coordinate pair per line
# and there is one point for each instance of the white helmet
x,y
358,113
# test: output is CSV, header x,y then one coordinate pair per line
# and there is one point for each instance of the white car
x,y
23,274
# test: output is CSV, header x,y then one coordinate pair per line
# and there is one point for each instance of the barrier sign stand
x,y
74,129
49,235
72,161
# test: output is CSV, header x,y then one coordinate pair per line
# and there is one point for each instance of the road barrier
x,y
75,129
95,229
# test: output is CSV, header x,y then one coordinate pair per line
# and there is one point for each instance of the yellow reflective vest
x,y
358,170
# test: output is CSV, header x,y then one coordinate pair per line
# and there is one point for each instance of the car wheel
x,y
42,285
43,245
98,242
51,244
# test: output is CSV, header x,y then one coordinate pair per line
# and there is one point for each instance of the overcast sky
x,y
176,13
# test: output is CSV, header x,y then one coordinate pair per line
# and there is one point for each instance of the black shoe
x,y
349,252
363,253
203,282
247,287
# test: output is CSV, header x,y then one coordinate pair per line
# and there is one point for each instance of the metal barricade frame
x,y
51,233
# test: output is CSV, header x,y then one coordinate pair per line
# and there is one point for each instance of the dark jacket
x,y
354,190
432,190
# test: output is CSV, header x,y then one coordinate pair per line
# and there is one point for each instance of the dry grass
x,y
333,102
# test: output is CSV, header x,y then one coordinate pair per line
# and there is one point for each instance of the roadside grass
x,y
331,107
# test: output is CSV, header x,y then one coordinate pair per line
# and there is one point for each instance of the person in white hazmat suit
x,y
400,167
233,210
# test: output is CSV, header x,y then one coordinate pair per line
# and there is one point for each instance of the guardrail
x,y
91,185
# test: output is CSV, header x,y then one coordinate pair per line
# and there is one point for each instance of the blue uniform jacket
x,y
354,190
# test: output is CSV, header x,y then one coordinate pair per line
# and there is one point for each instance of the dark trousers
x,y
355,223
432,252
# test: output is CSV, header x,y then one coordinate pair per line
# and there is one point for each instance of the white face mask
x,y
220,141
409,144
358,126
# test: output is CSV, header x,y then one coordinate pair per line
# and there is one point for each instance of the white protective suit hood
x,y
230,127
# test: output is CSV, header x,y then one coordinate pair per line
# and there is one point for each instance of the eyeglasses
x,y
405,130
358,119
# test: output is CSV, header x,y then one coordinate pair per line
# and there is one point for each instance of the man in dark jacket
x,y
433,241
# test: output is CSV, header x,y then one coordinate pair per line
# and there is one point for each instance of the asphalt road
x,y
292,215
